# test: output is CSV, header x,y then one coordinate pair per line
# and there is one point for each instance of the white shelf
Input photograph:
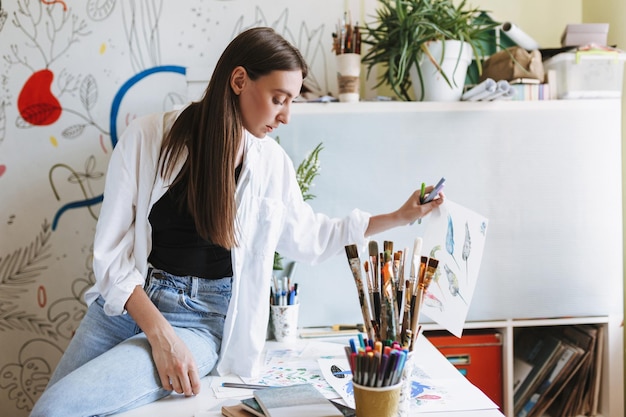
x,y
364,107
557,321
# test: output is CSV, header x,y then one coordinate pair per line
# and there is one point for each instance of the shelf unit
x,y
506,328
541,242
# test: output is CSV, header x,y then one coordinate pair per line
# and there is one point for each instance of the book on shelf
x,y
581,395
569,360
302,400
531,92
540,352
567,387
596,373
525,81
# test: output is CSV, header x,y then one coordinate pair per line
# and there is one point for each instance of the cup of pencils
x,y
376,377
285,322
347,48
284,309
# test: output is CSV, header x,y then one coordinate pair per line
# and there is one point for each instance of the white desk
x,y
206,404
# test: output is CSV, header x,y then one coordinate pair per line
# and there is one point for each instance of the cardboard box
x,y
585,34
477,355
587,74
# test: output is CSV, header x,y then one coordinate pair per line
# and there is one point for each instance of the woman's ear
x,y
238,79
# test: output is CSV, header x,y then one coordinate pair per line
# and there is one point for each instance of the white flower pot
x,y
457,58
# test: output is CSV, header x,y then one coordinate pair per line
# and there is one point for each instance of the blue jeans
x,y
108,366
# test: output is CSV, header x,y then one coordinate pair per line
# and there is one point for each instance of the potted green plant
x,y
404,31
306,172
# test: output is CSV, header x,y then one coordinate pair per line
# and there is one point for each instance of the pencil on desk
x,y
245,386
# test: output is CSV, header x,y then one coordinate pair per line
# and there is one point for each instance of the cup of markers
x,y
284,310
376,376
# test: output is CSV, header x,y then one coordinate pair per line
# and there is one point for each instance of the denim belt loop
x,y
194,287
148,278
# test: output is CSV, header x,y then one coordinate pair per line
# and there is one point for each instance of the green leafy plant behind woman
x,y
399,37
306,172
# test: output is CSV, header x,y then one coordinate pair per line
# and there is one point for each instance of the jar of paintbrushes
x,y
391,300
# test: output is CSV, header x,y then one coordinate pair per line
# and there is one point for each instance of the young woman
x,y
195,204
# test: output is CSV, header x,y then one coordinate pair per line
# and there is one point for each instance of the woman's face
x,y
265,102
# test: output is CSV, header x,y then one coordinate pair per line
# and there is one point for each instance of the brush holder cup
x,y
348,77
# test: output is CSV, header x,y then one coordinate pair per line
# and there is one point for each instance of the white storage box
x,y
587,74
584,34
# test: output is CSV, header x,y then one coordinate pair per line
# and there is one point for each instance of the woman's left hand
x,y
410,211
413,209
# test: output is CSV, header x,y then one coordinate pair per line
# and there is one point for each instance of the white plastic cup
x,y
348,77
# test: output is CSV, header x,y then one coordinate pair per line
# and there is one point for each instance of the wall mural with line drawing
x,y
73,74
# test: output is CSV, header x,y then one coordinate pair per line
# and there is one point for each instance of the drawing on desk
x,y
447,302
292,366
341,382
422,394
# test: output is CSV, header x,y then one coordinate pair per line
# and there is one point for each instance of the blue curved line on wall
x,y
115,109
117,100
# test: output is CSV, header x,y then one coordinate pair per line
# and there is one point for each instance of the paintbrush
x,y
413,277
373,256
423,284
416,301
388,247
405,310
370,283
398,286
390,328
370,289
352,252
431,269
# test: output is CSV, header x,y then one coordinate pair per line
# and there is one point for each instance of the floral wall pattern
x,y
73,74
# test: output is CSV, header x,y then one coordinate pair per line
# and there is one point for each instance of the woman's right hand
x,y
174,361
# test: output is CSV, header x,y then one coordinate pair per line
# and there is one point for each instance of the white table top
x,y
430,360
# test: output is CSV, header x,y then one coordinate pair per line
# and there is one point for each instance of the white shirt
x,y
271,216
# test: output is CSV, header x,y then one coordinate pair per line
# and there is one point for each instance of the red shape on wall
x,y
36,103
42,296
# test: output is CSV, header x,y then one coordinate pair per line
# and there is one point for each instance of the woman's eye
x,y
277,101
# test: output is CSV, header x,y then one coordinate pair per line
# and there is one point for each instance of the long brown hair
x,y
211,130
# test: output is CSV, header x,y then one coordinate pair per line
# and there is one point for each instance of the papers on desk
x,y
287,365
428,394
436,386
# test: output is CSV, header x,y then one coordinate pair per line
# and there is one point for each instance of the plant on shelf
x,y
400,36
306,172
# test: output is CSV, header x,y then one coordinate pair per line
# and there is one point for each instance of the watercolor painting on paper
x,y
456,237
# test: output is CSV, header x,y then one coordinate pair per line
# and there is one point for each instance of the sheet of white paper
x,y
225,392
337,373
298,365
455,236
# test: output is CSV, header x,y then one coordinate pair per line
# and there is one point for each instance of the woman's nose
x,y
283,116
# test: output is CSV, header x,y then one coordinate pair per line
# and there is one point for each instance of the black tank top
x,y
176,245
